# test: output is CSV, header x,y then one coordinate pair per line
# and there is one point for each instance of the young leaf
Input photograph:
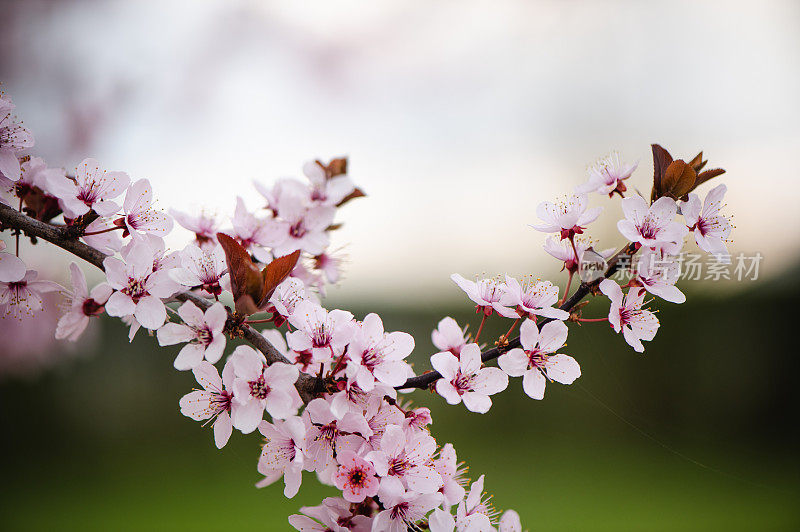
x,y
247,282
275,273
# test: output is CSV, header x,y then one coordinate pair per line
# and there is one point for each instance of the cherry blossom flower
x,y
140,217
710,228
333,515
475,512
417,419
453,475
568,218
355,477
23,298
258,387
441,521
408,458
606,176
323,333
330,266
327,434
380,415
651,226
534,298
13,139
11,267
201,268
83,305
488,294
254,233
93,189
286,297
509,522
626,314
535,363
402,508
564,251
204,226
213,402
325,191
282,455
139,287
303,227
202,330
376,355
107,242
448,336
658,276
465,380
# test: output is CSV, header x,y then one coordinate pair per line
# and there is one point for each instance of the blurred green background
x,y
696,434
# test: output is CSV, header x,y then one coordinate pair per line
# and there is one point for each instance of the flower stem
x,y
108,230
591,320
480,328
510,330
566,289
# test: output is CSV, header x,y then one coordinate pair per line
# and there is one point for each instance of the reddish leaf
x,y
661,160
275,273
246,280
357,193
678,180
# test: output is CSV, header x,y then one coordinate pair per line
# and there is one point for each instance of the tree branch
x,y
428,378
62,237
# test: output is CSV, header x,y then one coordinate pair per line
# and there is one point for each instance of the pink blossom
x,y
286,297
568,218
13,139
202,330
107,242
564,251
380,415
534,298
606,176
465,380
303,227
83,305
93,189
535,363
408,458
488,294
333,515
282,455
204,226
448,336
201,268
327,191
441,521
355,477
327,434
23,298
711,229
139,287
330,266
376,355
255,233
11,267
475,512
658,276
453,475
323,333
651,226
258,387
213,402
626,313
139,215
402,508
417,419
509,522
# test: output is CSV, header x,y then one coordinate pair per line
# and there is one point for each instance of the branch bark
x,y
62,237
428,378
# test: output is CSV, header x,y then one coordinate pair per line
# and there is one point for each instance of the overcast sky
x,y
458,117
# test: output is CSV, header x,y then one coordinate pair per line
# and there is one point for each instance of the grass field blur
x,y
693,435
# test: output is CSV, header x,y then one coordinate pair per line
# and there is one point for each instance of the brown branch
x,y
64,238
428,378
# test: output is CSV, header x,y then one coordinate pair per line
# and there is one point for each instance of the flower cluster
x,y
320,385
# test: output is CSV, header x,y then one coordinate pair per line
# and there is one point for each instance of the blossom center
x,y
135,289
259,388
